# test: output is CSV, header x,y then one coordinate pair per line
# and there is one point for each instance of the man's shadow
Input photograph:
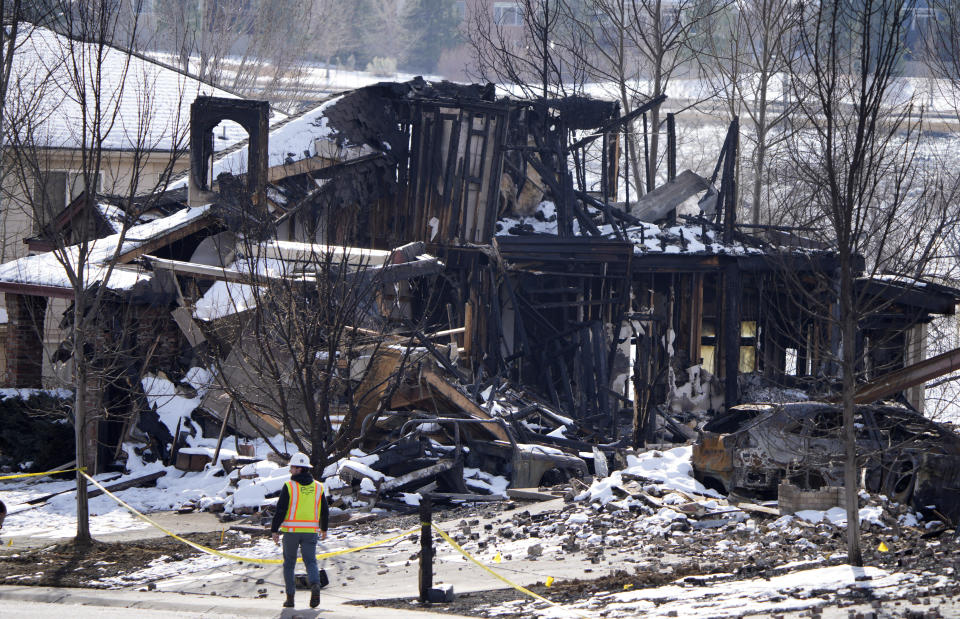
x,y
300,613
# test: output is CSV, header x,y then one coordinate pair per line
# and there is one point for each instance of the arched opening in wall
x,y
230,141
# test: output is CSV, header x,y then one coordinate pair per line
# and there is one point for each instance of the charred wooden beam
x,y
618,122
399,483
460,400
731,334
907,377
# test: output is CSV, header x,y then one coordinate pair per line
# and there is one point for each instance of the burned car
x,y
903,455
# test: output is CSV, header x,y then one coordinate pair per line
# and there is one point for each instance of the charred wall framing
x,y
453,172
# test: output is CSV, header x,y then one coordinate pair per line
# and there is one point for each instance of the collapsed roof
x,y
618,315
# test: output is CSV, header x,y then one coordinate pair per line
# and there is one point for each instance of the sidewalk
x,y
99,604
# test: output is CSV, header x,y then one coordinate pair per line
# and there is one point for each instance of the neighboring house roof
x,y
149,101
44,273
108,214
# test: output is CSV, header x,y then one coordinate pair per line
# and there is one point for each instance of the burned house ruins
x,y
509,299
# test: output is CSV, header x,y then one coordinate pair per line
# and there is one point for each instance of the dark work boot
x,y
289,602
314,595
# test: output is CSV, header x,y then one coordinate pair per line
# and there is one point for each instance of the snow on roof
x,y
151,101
290,139
647,238
113,215
47,269
903,280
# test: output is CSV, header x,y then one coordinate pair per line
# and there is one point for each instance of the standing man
x,y
301,512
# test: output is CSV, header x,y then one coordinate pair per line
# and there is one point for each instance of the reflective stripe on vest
x,y
304,509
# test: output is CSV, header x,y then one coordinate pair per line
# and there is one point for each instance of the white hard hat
x,y
300,459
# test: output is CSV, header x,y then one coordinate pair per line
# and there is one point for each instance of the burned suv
x,y
903,455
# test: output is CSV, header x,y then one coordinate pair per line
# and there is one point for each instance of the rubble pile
x,y
647,535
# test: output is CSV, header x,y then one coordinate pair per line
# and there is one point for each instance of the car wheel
x,y
714,484
554,477
901,481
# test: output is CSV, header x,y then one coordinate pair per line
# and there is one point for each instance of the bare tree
x,y
747,59
313,346
610,55
85,81
527,46
856,181
258,49
667,35
635,48
332,38
940,49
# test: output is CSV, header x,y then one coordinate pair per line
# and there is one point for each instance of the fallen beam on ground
x,y
123,485
462,402
130,483
47,497
530,494
460,496
444,464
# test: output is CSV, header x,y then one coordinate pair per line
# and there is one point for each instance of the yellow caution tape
x,y
504,579
18,476
233,557
228,555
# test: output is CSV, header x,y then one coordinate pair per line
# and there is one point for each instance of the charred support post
x,y
646,155
729,182
731,333
426,548
671,148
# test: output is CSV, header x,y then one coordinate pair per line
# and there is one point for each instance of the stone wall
x,y
792,499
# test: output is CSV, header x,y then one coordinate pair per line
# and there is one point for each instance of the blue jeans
x,y
307,543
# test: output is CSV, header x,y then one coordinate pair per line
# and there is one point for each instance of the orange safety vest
x,y
304,509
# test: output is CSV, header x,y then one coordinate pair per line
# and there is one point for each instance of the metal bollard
x,y
426,548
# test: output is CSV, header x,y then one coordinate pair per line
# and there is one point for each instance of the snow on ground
x,y
175,573
27,393
671,469
794,591
57,519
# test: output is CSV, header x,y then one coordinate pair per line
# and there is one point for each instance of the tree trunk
x,y
758,181
654,146
850,469
761,150
80,426
632,149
